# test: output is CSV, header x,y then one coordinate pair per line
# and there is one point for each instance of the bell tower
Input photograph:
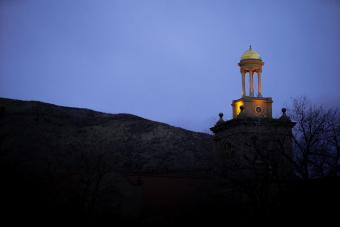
x,y
253,142
253,106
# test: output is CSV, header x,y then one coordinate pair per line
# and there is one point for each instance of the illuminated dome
x,y
250,54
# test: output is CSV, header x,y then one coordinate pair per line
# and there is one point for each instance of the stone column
x,y
259,84
251,83
243,84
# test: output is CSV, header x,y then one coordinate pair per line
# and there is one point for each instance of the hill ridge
x,y
136,144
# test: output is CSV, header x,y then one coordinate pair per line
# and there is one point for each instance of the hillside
x,y
38,132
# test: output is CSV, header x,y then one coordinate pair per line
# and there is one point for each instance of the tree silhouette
x,y
316,139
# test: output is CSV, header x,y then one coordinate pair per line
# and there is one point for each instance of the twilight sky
x,y
173,61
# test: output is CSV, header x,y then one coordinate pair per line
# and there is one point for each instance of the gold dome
x,y
250,54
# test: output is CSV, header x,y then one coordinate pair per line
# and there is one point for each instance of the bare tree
x,y
316,139
333,140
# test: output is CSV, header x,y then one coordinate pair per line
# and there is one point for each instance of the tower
x,y
254,106
253,142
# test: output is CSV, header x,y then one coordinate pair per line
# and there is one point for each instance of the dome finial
x,y
250,47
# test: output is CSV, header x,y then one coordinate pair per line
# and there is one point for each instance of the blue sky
x,y
170,61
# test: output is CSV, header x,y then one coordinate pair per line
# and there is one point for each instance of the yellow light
x,y
237,107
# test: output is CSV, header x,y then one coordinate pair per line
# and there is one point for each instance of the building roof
x,y
250,54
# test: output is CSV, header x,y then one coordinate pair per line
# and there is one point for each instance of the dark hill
x,y
37,132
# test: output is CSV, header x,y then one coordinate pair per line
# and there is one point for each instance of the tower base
x,y
259,107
